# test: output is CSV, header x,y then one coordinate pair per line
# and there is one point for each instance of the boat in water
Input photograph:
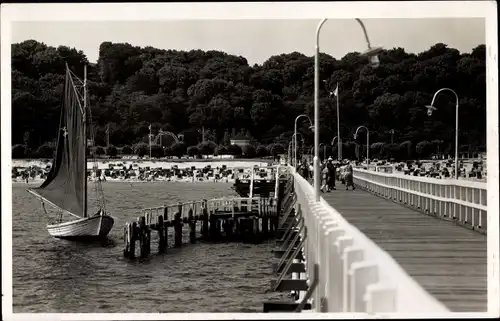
x,y
65,187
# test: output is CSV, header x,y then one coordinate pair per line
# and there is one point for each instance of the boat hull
x,y
97,226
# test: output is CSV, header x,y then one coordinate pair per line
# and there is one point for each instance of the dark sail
x,y
66,182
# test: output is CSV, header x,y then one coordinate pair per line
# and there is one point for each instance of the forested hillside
x,y
179,91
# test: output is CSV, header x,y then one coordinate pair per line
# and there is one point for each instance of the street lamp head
x,y
372,54
355,136
311,128
430,109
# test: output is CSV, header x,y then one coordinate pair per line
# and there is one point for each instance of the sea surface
x,y
58,276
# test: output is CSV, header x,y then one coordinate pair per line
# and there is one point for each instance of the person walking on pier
x,y
325,178
331,174
349,178
304,169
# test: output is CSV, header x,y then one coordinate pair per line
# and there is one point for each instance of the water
x,y
58,276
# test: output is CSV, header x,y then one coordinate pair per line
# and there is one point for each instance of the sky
x,y
257,40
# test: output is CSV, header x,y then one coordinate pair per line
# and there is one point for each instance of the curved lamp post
x,y
294,146
431,108
367,141
372,54
295,135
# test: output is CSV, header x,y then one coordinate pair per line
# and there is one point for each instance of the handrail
x,y
464,201
439,181
362,277
434,197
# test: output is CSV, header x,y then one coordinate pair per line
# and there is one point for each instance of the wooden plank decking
x,y
447,260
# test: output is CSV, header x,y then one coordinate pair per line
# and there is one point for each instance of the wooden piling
x,y
265,226
228,227
205,227
165,224
133,237
161,235
255,231
178,227
192,226
143,236
213,227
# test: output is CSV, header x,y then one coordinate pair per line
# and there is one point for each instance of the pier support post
x,y
161,235
192,226
215,228
166,224
143,236
256,230
205,230
265,226
178,227
228,228
133,238
129,236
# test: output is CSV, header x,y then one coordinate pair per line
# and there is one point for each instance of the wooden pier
x,y
227,219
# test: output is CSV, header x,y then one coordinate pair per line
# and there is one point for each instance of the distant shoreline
x,y
163,160
163,163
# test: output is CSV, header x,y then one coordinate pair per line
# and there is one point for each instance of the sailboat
x,y
65,188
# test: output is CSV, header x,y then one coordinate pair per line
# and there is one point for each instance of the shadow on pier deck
x,y
447,260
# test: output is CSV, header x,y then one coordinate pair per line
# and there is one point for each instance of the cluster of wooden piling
x,y
243,223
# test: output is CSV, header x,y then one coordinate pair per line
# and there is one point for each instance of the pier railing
x,y
354,274
262,206
459,200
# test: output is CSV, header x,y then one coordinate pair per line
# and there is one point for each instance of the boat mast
x,y
85,139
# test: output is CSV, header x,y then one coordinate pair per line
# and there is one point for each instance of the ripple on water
x,y
51,275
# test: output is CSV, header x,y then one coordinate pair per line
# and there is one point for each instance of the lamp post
x,y
431,108
295,136
392,136
339,145
294,146
290,151
371,53
367,141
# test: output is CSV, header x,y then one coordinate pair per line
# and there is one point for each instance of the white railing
x,y
461,200
355,275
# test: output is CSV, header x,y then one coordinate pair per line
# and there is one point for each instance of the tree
x,y
131,88
276,149
221,150
127,150
193,151
423,148
406,149
249,151
261,151
377,149
18,151
141,149
207,148
178,149
45,151
99,151
111,151
157,151
234,150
